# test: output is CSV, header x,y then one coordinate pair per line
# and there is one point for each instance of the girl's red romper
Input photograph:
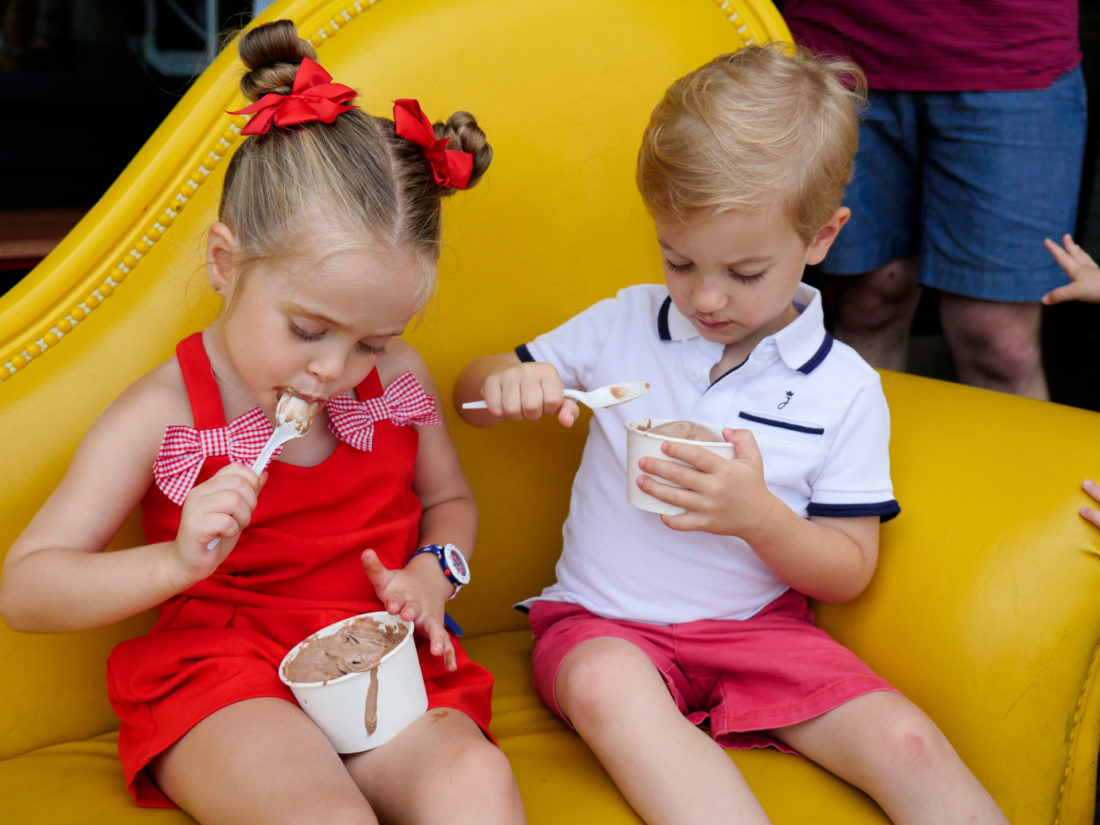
x,y
294,570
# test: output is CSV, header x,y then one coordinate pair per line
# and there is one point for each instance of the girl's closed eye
x,y
304,334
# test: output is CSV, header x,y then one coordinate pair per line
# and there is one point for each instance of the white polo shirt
x,y
815,407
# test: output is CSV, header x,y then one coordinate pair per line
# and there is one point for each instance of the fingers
x,y
1091,516
568,413
1092,488
377,572
524,391
222,506
440,644
381,577
1060,294
1064,257
1081,269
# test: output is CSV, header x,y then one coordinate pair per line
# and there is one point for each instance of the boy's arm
x,y
512,389
829,559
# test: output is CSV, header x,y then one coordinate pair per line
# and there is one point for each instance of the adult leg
x,y
995,345
260,761
1001,172
875,309
439,769
669,771
885,745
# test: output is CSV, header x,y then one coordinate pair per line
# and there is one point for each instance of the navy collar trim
x,y
665,334
819,356
662,320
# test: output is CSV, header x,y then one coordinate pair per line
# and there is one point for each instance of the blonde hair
x,y
348,179
761,126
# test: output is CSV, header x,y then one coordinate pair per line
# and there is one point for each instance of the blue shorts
x,y
970,181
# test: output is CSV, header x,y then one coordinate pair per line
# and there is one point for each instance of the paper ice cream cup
x,y
340,706
641,443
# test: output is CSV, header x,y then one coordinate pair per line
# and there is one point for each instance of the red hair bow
x,y
451,168
312,97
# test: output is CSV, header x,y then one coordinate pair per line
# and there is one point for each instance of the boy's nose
x,y
707,296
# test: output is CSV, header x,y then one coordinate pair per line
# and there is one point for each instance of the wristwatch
x,y
454,564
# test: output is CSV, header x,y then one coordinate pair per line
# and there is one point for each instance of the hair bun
x,y
465,135
272,52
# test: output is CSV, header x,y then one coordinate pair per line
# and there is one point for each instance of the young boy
x,y
657,624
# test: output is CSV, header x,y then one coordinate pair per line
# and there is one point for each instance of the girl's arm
x,y
420,591
56,579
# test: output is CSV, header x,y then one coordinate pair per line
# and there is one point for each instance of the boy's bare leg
x,y
439,769
885,745
260,761
670,772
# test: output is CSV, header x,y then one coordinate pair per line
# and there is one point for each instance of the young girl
x,y
325,249
657,625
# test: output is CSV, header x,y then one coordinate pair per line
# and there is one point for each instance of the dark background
x,y
83,83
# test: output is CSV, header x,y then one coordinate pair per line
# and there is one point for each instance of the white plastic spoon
x,y
596,399
293,418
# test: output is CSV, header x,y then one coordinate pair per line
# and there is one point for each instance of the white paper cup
x,y
641,443
339,705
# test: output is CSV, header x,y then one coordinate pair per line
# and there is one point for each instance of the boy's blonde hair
x,y
312,189
761,126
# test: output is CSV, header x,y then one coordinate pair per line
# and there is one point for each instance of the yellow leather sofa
x,y
986,606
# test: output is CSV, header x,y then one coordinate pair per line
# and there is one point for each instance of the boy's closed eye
x,y
740,277
745,277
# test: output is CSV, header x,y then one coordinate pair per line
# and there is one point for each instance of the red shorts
x,y
163,684
771,671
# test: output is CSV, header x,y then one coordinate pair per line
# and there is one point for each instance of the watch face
x,y
456,563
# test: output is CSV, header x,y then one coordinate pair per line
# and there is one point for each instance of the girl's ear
x,y
221,252
825,236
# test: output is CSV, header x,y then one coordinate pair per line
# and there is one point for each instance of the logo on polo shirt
x,y
786,401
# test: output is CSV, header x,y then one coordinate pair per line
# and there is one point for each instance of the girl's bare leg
x,y
885,745
439,769
670,772
260,761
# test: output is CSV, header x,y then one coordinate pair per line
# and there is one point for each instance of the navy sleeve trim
x,y
524,354
778,422
885,510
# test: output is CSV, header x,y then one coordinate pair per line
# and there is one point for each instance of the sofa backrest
x,y
983,607
563,91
